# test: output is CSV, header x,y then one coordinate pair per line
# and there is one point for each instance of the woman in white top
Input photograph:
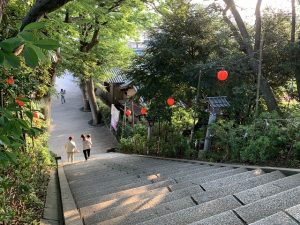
x,y
70,148
89,138
86,146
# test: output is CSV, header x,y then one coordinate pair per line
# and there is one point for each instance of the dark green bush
x,y
269,138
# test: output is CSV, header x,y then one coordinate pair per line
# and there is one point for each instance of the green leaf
x,y
29,114
1,57
10,44
23,124
34,131
4,140
12,60
40,54
48,44
35,26
24,99
27,36
30,56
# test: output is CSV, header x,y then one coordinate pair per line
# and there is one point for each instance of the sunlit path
x,y
69,120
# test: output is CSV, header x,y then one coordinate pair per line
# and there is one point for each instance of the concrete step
x,y
236,187
183,172
196,213
279,218
111,212
263,191
294,212
95,198
151,213
94,185
267,206
225,218
154,197
89,181
231,179
201,174
211,177
110,189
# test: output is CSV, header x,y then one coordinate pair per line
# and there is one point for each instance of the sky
x,y
247,7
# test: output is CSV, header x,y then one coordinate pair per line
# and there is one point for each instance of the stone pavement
x,y
69,120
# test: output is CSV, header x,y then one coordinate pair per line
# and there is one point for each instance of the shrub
x,y
105,112
269,138
23,184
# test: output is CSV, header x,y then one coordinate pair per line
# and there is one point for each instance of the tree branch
x,y
3,4
40,8
293,30
257,27
234,31
241,25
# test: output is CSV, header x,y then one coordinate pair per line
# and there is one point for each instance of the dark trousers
x,y
86,153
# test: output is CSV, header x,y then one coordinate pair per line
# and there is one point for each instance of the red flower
x,y
10,80
20,102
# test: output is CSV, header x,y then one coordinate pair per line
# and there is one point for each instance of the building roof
x,y
117,76
218,102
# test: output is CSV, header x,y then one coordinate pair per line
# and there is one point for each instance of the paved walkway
x,y
69,120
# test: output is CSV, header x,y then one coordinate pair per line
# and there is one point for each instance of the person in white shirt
x,y
86,146
70,148
89,138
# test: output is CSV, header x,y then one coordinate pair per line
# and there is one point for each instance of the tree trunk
x,y
86,104
293,25
3,3
297,75
266,90
47,99
92,101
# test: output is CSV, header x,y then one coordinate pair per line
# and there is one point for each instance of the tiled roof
x,y
218,102
117,76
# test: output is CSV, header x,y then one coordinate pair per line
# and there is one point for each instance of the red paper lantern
x,y
35,115
143,111
10,80
222,75
128,112
170,101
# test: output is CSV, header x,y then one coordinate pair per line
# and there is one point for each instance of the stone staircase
x,y
128,190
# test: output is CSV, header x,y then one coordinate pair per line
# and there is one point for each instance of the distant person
x,y
86,146
70,148
89,138
62,96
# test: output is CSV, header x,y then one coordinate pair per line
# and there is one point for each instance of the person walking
x,y
70,148
89,139
86,146
62,96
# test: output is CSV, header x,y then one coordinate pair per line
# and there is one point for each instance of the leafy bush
x,y
269,138
23,184
173,145
105,112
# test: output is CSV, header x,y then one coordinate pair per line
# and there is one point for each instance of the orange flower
x,y
36,115
10,80
20,103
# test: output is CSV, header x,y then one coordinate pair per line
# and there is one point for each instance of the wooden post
x,y
212,118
